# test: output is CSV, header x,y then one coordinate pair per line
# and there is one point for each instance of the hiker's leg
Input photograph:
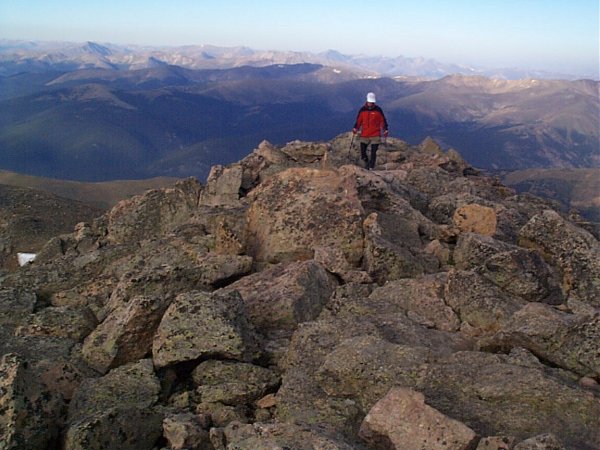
x,y
374,148
363,152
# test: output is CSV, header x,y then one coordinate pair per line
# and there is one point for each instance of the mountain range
x,y
19,56
93,112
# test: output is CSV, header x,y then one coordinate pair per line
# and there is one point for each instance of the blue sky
x,y
558,35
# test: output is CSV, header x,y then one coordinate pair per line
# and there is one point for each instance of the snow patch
x,y
25,258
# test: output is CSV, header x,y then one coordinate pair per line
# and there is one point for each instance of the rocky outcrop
x,y
299,301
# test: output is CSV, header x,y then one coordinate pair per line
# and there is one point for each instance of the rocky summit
x,y
299,301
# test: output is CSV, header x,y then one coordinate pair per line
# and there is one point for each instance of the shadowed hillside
x,y
102,195
103,124
574,188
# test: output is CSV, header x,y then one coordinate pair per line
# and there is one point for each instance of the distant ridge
x,y
16,55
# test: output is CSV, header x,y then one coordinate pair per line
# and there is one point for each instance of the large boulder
x,y
233,383
204,325
61,321
118,410
131,385
423,299
402,421
282,296
385,260
297,210
573,250
152,214
516,270
482,307
496,394
138,302
31,414
352,313
184,430
567,340
125,428
222,186
364,368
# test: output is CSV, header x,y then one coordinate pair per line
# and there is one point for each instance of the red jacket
x,y
372,121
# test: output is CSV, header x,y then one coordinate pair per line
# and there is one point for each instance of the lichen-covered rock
x,y
351,315
280,436
364,368
232,383
282,296
204,325
16,305
123,428
386,261
496,394
222,186
473,250
30,414
130,386
140,299
297,210
496,443
573,250
518,271
568,340
152,214
185,431
61,321
481,306
402,420
423,297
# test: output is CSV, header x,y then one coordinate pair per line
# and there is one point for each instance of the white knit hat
x,y
371,97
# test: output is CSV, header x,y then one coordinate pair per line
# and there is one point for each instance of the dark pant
x,y
369,162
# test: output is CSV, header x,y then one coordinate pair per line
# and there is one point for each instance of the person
x,y
372,125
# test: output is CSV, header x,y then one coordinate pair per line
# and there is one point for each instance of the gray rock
x,y
31,415
123,428
424,297
481,306
61,321
130,386
473,250
386,261
573,250
16,305
280,436
222,186
364,368
569,341
282,296
493,396
203,325
152,214
233,383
